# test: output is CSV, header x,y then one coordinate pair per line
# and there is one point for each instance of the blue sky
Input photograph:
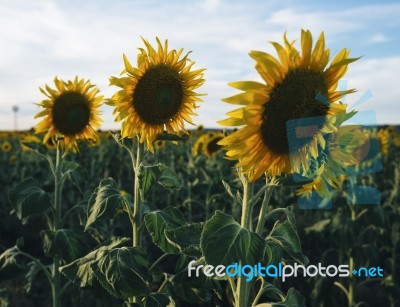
x,y
43,39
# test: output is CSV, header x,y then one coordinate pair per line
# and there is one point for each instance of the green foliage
x,y
186,238
293,299
224,241
27,198
122,271
160,174
104,202
157,222
188,215
80,271
9,266
66,244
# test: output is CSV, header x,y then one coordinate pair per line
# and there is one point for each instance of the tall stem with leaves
x,y
137,207
136,151
242,288
58,185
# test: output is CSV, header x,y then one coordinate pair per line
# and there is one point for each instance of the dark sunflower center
x,y
71,113
301,94
212,146
158,95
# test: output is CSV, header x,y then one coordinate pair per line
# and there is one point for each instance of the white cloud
x,y
41,39
380,76
379,38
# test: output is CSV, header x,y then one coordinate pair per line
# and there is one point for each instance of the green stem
x,y
351,284
190,202
58,183
42,267
264,208
157,262
242,290
353,182
137,208
259,294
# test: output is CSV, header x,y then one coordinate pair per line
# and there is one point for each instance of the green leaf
x,y
165,136
168,178
147,178
159,221
27,198
318,227
233,192
186,238
32,274
75,173
293,299
38,148
156,300
123,271
191,290
273,253
225,242
66,244
285,235
69,166
9,266
282,214
80,271
104,202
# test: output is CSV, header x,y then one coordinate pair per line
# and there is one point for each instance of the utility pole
x,y
15,110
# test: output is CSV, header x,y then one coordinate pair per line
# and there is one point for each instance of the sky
x,y
46,38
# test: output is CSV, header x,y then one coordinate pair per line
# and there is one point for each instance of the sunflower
x,y
211,146
159,144
70,113
297,86
199,144
6,146
384,140
369,154
157,95
332,165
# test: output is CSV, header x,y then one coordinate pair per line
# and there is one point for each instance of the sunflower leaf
x,y
233,191
168,178
27,198
123,271
9,266
186,238
80,270
165,136
293,299
285,235
224,241
66,244
157,222
104,202
147,178
31,276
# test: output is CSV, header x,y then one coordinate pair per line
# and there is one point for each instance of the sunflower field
x,y
296,203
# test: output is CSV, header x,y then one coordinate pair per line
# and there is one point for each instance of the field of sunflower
x,y
129,217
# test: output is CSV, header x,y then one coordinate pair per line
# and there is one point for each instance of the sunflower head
x,y
298,85
197,147
211,146
71,112
384,140
159,144
156,95
6,146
